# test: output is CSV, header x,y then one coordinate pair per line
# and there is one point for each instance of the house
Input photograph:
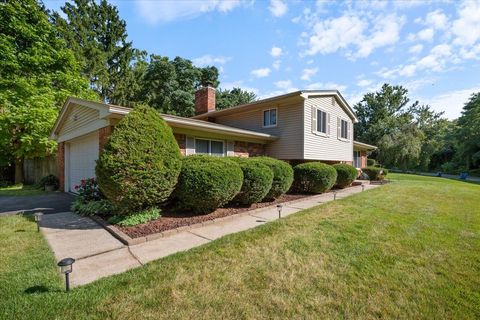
x,y
307,125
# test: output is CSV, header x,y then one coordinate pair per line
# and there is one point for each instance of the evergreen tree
x,y
235,97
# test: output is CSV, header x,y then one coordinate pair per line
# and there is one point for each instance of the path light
x,y
279,208
363,187
66,266
334,194
38,218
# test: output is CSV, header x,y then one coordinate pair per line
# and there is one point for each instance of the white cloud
x,y
416,49
165,11
261,73
308,73
207,60
359,37
276,52
426,34
437,20
467,27
326,86
451,102
364,83
283,84
278,8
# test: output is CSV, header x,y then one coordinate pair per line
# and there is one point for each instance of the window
x,y
357,159
211,147
321,121
344,129
270,118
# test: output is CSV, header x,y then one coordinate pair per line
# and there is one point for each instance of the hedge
x,y
282,176
207,183
314,177
375,173
346,174
371,162
257,181
140,163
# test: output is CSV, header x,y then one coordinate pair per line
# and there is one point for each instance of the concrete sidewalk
x,y
98,254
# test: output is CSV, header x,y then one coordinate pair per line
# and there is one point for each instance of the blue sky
x,y
273,47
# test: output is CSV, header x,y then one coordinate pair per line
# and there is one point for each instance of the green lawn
x,y
408,250
21,190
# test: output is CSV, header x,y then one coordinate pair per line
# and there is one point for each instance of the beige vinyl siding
x,y
288,129
329,148
78,117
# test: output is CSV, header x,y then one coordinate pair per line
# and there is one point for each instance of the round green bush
x,y
346,174
140,163
257,181
207,183
282,176
371,162
314,177
375,173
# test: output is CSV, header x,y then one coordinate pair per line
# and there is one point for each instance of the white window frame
x,y
269,118
339,130
209,146
327,122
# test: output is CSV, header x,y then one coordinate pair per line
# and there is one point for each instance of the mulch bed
x,y
171,219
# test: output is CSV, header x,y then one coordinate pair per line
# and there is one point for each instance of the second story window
x,y
270,118
343,129
321,121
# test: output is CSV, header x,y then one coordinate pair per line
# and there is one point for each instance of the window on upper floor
x,y
343,129
321,121
211,147
270,118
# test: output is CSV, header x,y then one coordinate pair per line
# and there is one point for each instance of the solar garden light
x,y
38,218
66,266
363,187
279,208
334,194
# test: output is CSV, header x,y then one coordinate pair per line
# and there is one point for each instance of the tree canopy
x,y
38,72
235,97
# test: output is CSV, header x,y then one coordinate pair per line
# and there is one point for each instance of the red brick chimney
x,y
204,100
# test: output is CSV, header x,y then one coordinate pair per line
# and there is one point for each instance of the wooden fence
x,y
37,168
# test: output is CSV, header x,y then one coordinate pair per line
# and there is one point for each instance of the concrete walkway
x,y
98,254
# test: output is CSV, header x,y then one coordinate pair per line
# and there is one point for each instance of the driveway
x,y
46,203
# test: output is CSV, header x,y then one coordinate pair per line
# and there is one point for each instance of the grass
x,y
407,250
21,190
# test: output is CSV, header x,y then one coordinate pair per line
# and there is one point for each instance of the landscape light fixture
x,y
38,218
334,194
363,187
279,208
66,267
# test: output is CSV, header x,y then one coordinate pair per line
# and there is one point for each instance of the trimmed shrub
x,y
257,181
282,176
346,174
49,180
371,162
140,163
314,177
375,173
207,183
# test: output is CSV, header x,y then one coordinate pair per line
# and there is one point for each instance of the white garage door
x,y
83,152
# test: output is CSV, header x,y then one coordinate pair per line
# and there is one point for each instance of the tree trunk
x,y
18,170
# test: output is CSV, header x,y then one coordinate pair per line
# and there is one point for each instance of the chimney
x,y
205,100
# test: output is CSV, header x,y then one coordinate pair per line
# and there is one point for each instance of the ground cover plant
x,y
406,250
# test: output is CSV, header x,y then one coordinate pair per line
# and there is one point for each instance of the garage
x,y
80,156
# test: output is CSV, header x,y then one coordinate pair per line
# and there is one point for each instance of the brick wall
x,y
61,165
205,100
182,144
248,149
